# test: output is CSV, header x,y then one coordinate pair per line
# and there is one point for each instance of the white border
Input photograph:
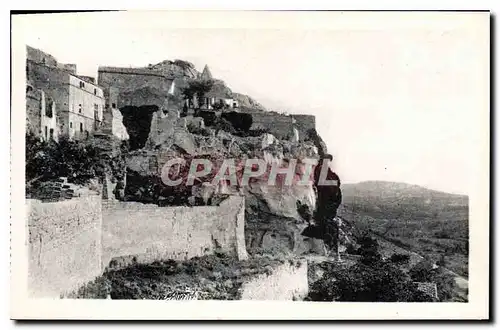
x,y
477,308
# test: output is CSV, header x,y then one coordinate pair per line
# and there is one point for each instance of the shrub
x,y
400,258
368,250
222,124
240,121
193,129
79,161
378,282
218,105
422,272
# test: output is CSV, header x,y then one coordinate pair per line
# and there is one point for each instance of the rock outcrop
x,y
245,101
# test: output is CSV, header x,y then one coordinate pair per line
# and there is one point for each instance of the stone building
x,y
40,114
79,101
136,86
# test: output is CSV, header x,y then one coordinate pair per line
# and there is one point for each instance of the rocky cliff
x,y
276,215
245,101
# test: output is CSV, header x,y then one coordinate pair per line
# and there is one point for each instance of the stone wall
x,y
146,232
286,282
64,245
278,125
55,84
304,123
39,56
71,242
112,124
71,68
282,126
129,80
34,108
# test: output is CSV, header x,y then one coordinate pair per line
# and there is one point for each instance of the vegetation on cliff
x,y
214,277
372,279
79,161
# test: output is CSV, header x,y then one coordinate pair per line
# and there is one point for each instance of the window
x,y
48,108
81,127
96,106
95,91
46,136
70,125
79,108
113,105
52,134
82,84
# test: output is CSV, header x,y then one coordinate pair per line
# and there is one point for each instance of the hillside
x,y
428,222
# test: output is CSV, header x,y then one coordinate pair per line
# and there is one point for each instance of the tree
x,y
197,88
369,250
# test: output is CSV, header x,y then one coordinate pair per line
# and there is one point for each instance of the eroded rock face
x,y
246,101
273,223
276,215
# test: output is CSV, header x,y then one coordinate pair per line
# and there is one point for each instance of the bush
x,y
218,105
79,161
193,129
222,124
240,121
400,258
368,250
422,272
379,282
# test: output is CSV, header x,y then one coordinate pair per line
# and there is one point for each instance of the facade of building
x,y
40,114
85,111
79,102
136,86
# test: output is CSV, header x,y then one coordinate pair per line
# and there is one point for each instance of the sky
x,y
395,98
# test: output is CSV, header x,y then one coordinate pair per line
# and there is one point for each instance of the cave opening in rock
x,y
137,121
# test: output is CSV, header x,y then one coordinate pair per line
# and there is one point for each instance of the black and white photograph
x,y
313,159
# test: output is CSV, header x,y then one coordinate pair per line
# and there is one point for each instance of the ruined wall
x,y
128,80
304,123
64,245
112,123
282,126
55,83
39,56
278,125
148,232
71,68
34,109
286,282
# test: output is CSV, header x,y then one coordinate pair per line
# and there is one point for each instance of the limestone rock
x,y
246,101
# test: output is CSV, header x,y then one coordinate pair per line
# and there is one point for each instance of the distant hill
x,y
392,190
429,222
402,200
